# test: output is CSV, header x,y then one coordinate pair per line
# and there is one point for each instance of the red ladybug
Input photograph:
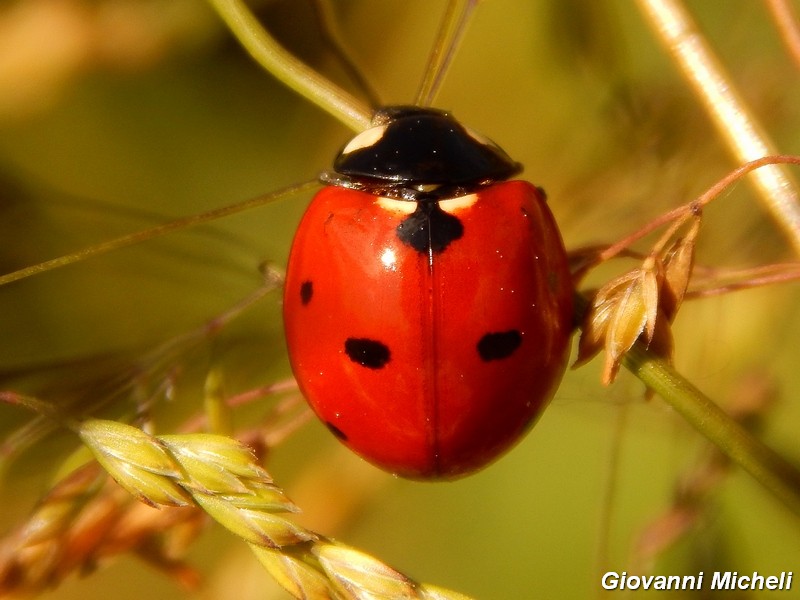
x,y
428,302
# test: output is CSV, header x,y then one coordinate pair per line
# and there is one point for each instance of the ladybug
x,y
428,300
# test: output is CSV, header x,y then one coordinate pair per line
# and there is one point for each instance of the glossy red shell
x,y
436,409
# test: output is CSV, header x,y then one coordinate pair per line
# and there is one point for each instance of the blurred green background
x,y
119,115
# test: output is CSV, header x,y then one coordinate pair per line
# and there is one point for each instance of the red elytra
x,y
428,334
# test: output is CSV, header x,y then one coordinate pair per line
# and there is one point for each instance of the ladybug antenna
x,y
451,32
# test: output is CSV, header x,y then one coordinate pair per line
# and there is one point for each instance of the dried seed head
x,y
639,305
678,266
623,311
86,519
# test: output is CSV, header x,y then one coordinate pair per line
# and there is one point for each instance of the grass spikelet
x,y
216,462
219,474
137,461
295,574
432,592
222,476
255,526
358,576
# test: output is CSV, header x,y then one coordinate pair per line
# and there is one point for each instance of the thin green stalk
x,y
609,499
770,469
154,232
288,69
35,405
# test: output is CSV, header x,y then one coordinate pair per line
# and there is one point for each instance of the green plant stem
x,y
771,470
288,69
154,232
776,474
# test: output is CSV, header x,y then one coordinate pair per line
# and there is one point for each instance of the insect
x,y
585,98
428,302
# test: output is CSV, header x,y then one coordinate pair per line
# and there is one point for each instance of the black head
x,y
419,153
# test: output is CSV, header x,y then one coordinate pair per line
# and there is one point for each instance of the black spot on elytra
x,y
429,228
306,292
336,431
367,353
499,345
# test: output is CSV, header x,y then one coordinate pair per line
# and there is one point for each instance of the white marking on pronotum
x,y
365,139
